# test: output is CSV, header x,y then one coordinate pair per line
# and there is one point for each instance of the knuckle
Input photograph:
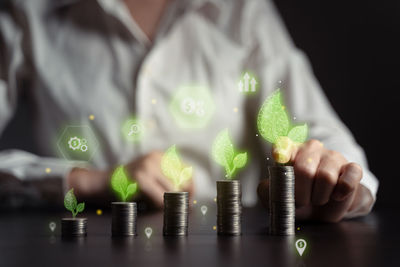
x,y
304,171
327,176
356,169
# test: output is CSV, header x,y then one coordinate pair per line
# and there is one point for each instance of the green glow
x,y
71,204
77,142
173,169
192,107
274,126
133,129
120,184
224,154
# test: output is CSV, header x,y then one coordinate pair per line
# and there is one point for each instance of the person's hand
x,y
327,186
146,171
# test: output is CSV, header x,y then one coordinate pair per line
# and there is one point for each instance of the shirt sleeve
x,y
18,164
282,65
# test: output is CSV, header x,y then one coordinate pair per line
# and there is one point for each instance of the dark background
x,y
353,47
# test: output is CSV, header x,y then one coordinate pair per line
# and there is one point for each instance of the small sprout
x,y
224,154
120,184
173,168
274,126
71,203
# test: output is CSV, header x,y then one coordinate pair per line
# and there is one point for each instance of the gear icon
x,y
74,143
84,148
83,141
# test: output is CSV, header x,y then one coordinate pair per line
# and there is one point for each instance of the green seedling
x,y
71,204
275,127
224,154
173,168
121,185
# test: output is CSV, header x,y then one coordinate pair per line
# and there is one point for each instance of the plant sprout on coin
x,y
226,155
71,204
121,185
275,127
173,168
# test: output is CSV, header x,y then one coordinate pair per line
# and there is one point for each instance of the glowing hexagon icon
x,y
192,107
77,142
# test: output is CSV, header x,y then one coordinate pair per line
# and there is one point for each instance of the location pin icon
x,y
52,226
204,209
301,245
148,231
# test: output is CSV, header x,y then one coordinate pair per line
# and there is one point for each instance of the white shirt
x,y
78,58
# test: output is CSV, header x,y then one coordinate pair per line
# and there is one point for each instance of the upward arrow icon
x,y
246,78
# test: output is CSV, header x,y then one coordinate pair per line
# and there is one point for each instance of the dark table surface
x,y
26,240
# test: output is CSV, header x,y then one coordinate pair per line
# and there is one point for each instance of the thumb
x,y
263,192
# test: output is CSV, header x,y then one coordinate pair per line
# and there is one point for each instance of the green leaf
x,y
80,207
185,175
272,119
131,189
298,133
119,181
240,160
222,149
70,200
171,164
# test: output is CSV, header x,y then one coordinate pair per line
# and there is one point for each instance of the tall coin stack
x,y
281,200
73,227
176,211
229,204
124,216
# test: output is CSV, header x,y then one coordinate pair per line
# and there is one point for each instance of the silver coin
x,y
281,200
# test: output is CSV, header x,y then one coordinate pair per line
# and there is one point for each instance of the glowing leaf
x,y
240,160
80,207
299,133
119,182
272,119
224,154
171,165
70,201
222,149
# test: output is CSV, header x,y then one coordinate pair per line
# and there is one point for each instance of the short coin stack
x,y
229,204
71,227
124,216
176,208
281,200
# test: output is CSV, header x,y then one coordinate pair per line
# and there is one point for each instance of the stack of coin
x,y
229,204
124,216
176,206
281,200
71,227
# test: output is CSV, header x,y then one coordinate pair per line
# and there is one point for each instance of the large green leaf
x,y
171,164
272,119
70,200
119,181
298,133
222,149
